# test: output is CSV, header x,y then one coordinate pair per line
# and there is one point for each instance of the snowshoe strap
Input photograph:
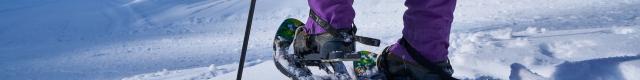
x,y
425,62
335,32
368,41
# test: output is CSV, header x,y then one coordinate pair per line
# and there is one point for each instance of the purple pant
x,y
427,24
339,13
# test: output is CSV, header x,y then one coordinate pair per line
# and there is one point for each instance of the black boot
x,y
397,68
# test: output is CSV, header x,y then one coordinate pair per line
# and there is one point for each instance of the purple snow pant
x,y
427,24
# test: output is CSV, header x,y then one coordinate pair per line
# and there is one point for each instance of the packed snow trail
x,y
200,39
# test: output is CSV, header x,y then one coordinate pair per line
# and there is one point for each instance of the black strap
x,y
425,62
330,29
324,24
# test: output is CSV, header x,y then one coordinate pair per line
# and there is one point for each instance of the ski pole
x,y
246,40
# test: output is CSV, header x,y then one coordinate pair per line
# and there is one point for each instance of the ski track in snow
x,y
200,39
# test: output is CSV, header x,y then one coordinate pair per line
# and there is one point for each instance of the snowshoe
x,y
327,53
286,62
366,67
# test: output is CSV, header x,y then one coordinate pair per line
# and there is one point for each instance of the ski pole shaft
x,y
246,40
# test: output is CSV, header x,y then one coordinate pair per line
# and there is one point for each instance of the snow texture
x,y
201,39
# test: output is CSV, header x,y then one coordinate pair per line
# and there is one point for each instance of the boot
x,y
397,68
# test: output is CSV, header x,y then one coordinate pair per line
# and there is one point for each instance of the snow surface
x,y
201,39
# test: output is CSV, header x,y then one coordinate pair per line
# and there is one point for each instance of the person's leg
x,y
338,13
427,24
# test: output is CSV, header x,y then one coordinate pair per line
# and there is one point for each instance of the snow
x,y
201,39
623,30
212,72
519,72
631,68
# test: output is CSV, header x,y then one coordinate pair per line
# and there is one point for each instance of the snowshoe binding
x,y
325,51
